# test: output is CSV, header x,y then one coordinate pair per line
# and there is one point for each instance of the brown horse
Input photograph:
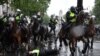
x,y
12,36
78,32
62,37
89,34
16,34
81,32
64,33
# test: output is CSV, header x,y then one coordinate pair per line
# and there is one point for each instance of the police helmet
x,y
72,8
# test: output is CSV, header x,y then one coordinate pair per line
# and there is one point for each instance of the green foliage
x,y
46,19
3,1
29,6
96,10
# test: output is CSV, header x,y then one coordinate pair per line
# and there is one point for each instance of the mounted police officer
x,y
5,17
71,15
17,17
70,18
39,17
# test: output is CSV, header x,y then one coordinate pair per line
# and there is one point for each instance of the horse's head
x,y
11,21
91,27
91,20
80,17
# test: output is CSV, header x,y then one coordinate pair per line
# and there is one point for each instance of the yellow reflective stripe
x,y
17,18
35,51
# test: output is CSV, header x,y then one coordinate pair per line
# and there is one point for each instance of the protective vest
x,y
36,51
5,19
73,19
17,19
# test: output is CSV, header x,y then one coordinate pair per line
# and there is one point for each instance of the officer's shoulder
x,y
68,12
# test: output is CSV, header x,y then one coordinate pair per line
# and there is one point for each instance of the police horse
x,y
79,32
38,31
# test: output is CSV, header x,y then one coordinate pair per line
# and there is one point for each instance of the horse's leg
x,y
60,39
51,30
65,42
19,42
54,31
38,37
42,37
92,40
72,48
45,36
86,45
72,43
34,39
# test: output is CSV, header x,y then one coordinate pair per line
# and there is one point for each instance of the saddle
x,y
66,26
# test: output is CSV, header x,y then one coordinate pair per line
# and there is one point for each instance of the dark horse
x,y
2,26
38,30
79,32
13,36
89,34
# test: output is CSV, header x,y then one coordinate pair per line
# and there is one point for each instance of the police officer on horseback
x,y
39,17
17,17
70,17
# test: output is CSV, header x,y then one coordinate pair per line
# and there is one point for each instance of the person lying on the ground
x,y
38,52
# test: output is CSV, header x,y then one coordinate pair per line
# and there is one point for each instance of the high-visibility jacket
x,y
5,19
18,19
72,16
37,51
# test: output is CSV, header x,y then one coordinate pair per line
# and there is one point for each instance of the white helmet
x,y
34,16
18,10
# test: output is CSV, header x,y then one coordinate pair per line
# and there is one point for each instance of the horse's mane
x,y
91,21
80,17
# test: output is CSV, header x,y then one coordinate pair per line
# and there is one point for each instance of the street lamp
x,y
79,5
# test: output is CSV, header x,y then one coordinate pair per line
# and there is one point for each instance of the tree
x,y
96,10
46,19
3,1
29,6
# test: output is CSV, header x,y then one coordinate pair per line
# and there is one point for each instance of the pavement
x,y
65,51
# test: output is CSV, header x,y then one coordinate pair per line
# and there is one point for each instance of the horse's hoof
x,y
91,47
66,45
59,48
83,51
73,49
72,53
60,45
